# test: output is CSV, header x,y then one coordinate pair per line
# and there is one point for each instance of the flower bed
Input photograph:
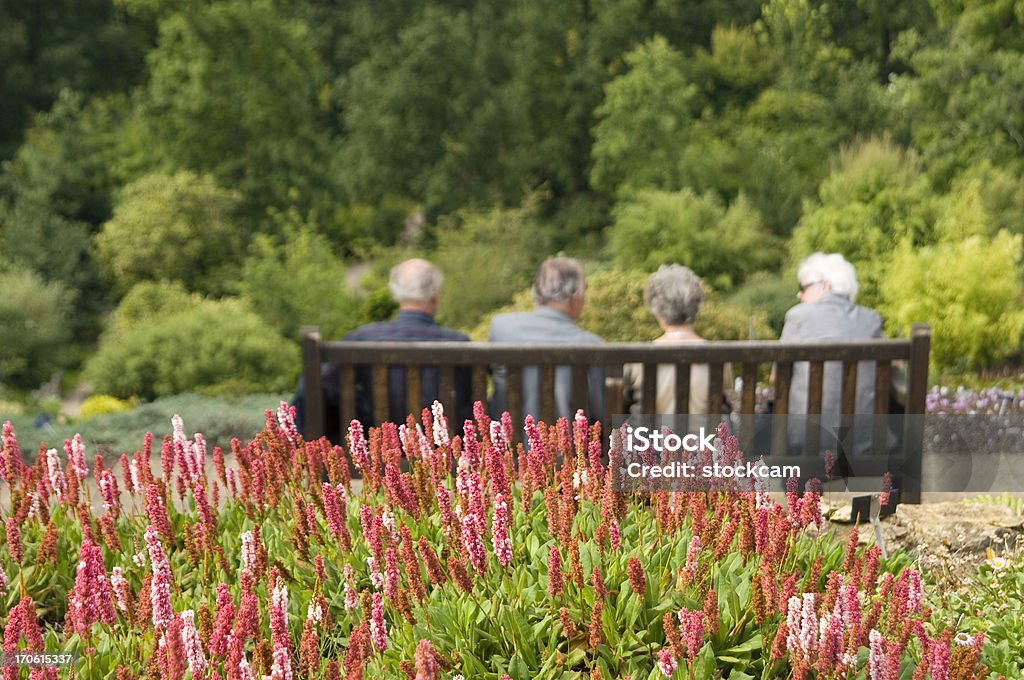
x,y
456,556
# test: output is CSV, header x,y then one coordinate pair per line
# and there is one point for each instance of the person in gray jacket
x,y
559,292
826,312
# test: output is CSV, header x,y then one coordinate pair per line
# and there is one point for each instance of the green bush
x,y
967,290
150,300
215,343
723,245
33,328
175,228
298,280
770,293
485,261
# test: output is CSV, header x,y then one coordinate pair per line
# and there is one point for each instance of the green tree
x,y
176,228
423,118
54,194
486,258
232,92
34,331
297,279
50,45
642,132
723,245
962,99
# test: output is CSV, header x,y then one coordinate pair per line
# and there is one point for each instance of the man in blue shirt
x,y
415,285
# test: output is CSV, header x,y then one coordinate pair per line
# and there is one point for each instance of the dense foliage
x,y
223,144
219,346
520,564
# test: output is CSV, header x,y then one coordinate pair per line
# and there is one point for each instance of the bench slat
x,y
515,400
381,393
649,400
413,389
749,396
446,393
547,394
682,388
578,397
347,376
479,380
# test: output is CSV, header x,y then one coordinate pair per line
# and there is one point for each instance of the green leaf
x,y
704,665
748,645
518,669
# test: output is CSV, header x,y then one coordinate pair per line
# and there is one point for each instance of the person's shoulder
x,y
452,334
509,320
512,317
795,315
587,337
800,311
366,331
870,317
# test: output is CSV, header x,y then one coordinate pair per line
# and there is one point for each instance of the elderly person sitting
x,y
828,288
673,295
826,312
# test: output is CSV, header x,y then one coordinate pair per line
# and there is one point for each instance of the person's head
x,y
673,294
560,284
415,285
822,273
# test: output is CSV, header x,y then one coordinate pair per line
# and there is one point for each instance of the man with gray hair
x,y
826,312
416,286
559,292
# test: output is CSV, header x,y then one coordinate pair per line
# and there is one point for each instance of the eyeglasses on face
x,y
805,286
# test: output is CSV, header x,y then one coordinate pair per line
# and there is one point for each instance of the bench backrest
x,y
747,359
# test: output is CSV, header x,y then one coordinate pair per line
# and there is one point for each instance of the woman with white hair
x,y
826,312
673,295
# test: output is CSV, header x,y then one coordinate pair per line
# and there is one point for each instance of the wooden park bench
x,y
748,359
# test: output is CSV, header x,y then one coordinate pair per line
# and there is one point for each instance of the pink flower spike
x,y
14,539
666,663
193,646
500,531
378,627
286,420
279,614
160,589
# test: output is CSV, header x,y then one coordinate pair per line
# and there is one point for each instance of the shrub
x,y
176,228
771,294
210,344
298,280
485,262
723,245
101,405
33,330
967,290
150,300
